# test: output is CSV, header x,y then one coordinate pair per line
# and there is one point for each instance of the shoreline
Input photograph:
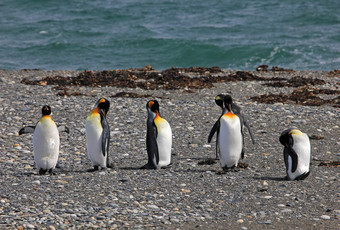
x,y
189,194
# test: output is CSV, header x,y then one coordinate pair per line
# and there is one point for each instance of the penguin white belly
x,y
164,141
230,141
302,148
94,134
46,144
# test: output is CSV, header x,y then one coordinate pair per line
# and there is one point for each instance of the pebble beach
x,y
194,193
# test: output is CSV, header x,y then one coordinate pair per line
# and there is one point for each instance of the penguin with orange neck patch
x,y
158,138
98,135
219,100
45,142
230,137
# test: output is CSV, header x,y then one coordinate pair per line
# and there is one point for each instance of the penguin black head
x,y
153,106
285,137
228,102
103,104
219,100
46,110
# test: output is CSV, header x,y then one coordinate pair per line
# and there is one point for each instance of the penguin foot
x,y
167,166
51,172
95,168
58,165
303,176
42,171
148,166
231,169
110,166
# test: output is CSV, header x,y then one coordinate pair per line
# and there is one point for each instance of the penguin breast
x,y
94,135
164,141
302,148
230,140
46,143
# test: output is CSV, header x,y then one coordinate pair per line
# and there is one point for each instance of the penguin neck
x,y
229,114
94,111
46,117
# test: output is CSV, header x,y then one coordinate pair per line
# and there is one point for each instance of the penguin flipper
x,y
217,145
249,130
27,129
294,157
237,110
151,146
214,129
63,128
106,134
285,157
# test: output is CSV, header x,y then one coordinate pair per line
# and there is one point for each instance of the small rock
x,y
152,206
325,217
36,182
240,221
287,210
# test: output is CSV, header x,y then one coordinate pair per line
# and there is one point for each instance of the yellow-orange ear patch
x,y
295,132
151,103
217,98
101,100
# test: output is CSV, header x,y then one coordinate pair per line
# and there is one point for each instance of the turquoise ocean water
x,y
104,34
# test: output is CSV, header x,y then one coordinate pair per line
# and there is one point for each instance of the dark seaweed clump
x,y
170,79
304,95
295,82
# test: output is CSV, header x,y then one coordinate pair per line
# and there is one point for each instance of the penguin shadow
x,y
21,174
271,178
193,170
140,167
131,168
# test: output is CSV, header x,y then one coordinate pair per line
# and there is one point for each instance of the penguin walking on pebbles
x,y
98,135
230,138
219,100
45,141
296,153
158,138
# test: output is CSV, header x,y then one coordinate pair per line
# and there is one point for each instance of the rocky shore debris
x,y
193,78
273,69
295,82
330,163
170,79
304,95
132,95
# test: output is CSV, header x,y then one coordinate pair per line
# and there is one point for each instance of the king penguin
x,y
158,138
219,100
45,141
230,138
98,135
296,153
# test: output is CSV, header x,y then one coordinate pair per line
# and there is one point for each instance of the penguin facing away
x,y
296,153
158,138
230,138
45,141
219,99
98,135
